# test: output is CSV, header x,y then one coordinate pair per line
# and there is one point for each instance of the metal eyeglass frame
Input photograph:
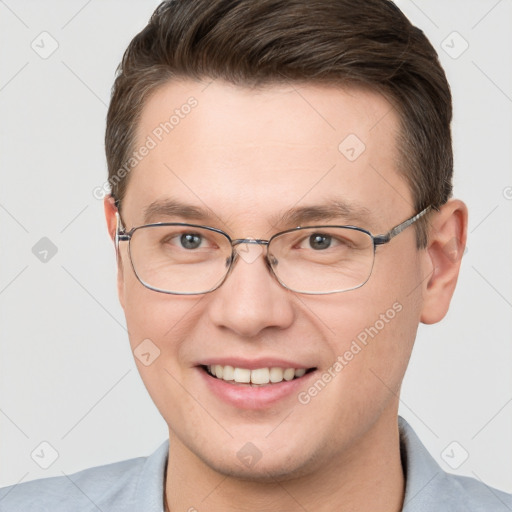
x,y
122,235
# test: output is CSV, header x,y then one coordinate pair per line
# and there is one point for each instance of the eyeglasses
x,y
190,259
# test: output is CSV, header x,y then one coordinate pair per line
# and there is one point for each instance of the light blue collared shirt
x,y
137,485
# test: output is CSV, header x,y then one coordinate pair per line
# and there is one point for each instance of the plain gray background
x,y
67,374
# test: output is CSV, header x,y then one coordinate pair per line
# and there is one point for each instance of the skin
x,y
249,155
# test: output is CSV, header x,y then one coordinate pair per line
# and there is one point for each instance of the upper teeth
x,y
258,376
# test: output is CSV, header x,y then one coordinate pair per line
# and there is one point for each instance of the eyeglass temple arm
x,y
120,229
120,234
386,237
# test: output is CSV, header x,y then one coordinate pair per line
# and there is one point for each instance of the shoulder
x,y
480,497
112,487
429,487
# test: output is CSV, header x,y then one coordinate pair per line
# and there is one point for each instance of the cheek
x,y
370,341
149,314
391,328
158,316
371,332
159,326
371,350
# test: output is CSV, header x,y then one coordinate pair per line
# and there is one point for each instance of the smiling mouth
x,y
257,377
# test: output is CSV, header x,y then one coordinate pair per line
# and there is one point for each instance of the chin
x,y
249,464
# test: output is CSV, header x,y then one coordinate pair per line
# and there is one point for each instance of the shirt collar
x,y
427,486
149,494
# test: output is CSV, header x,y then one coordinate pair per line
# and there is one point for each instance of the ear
x,y
111,211
110,208
446,243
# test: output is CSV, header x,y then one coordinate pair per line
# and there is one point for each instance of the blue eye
x,y
320,241
190,240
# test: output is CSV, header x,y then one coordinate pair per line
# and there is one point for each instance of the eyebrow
x,y
174,208
334,208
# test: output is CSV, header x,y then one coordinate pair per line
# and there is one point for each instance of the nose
x,y
251,299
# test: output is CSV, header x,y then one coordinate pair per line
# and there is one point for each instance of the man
x,y
282,215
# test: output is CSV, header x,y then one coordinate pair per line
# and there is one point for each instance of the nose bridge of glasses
x,y
249,249
258,241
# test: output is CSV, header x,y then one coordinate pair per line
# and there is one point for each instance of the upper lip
x,y
253,364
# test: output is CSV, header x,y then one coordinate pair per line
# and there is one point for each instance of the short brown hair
x,y
366,43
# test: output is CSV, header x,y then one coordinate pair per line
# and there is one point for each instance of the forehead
x,y
241,151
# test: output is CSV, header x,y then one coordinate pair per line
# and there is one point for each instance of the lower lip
x,y
245,396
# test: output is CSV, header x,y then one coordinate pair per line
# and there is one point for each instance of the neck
x,y
369,476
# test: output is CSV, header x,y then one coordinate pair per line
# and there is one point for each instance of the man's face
x,y
248,156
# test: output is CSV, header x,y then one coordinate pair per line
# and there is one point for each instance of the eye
x,y
184,240
324,241
190,240
318,241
